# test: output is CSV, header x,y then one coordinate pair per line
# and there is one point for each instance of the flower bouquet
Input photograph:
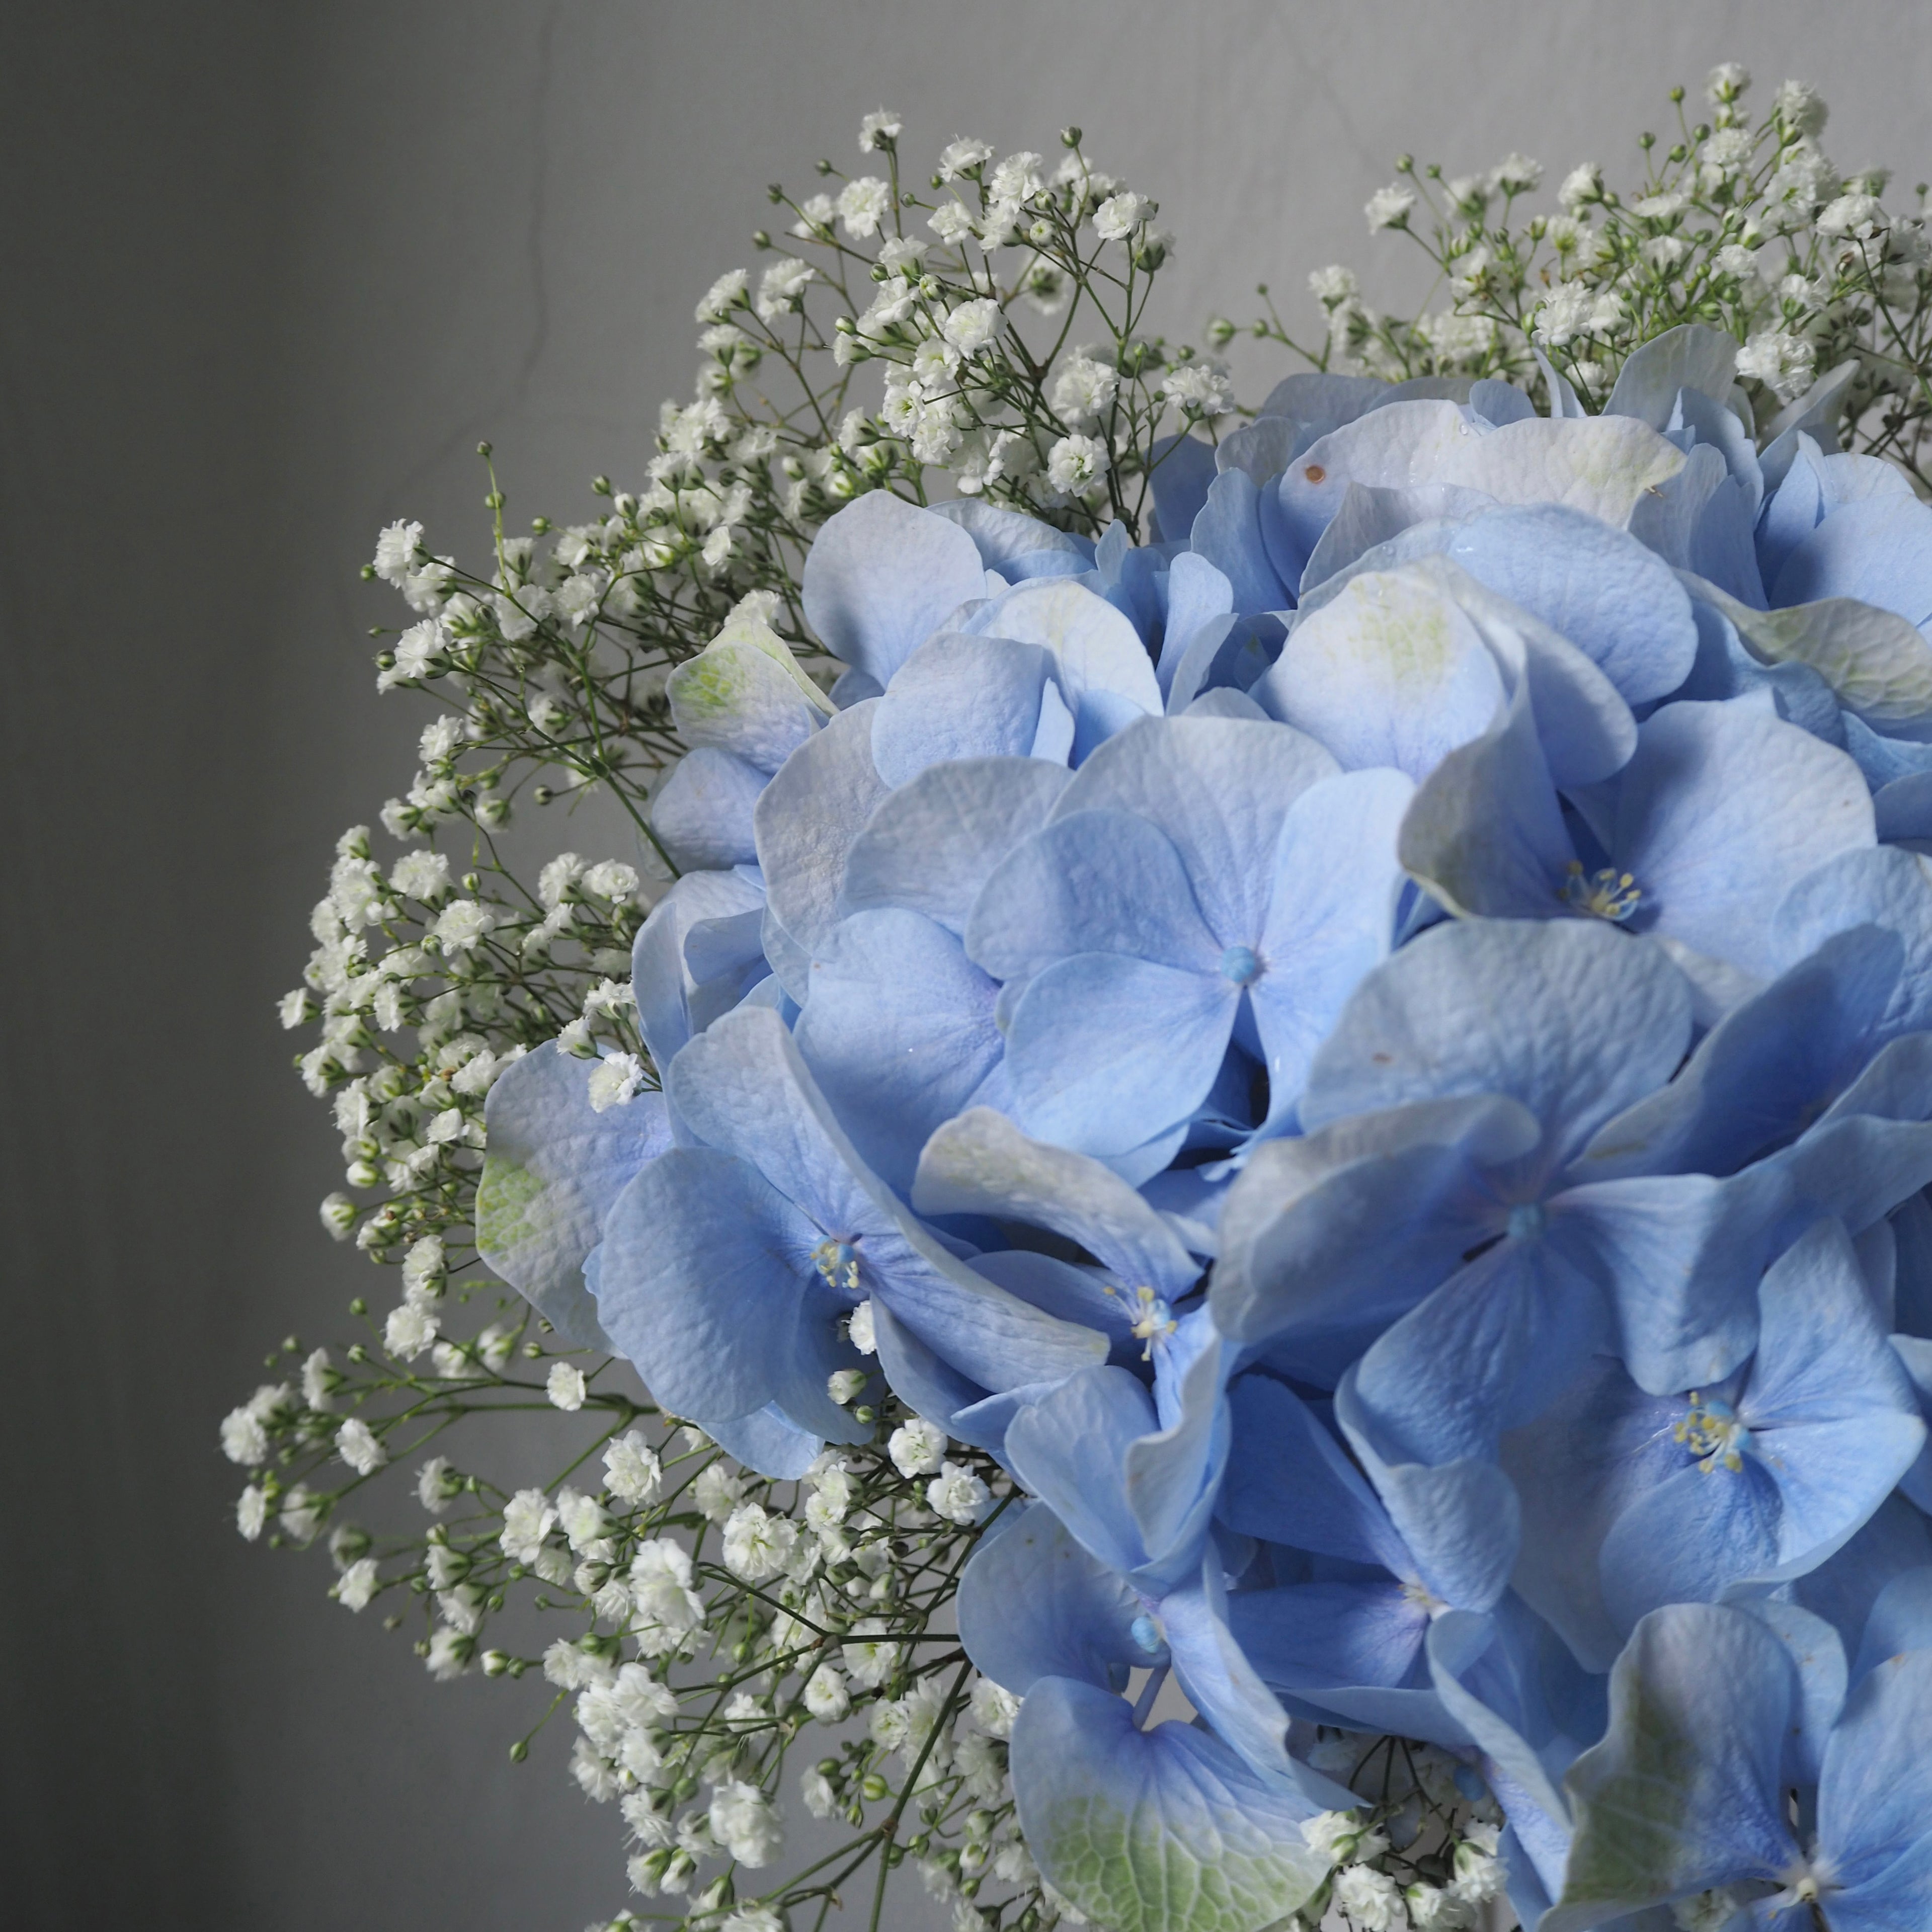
x,y
1223,1181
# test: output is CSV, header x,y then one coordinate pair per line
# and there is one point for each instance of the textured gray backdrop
x,y
271,272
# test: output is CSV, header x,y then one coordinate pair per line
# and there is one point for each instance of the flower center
x,y
1153,1319
1240,964
1527,1220
838,1262
1713,1433
1422,1597
1609,894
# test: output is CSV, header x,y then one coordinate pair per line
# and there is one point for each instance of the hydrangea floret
x,y
1227,1154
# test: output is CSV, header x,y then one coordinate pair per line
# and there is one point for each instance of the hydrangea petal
x,y
1161,1831
704,812
554,1167
735,697
882,576
1690,356
959,697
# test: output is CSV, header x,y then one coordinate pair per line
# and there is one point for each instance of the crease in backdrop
x,y
271,276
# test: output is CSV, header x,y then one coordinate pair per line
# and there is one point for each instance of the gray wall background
x,y
270,274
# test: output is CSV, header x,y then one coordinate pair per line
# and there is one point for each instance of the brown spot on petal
x,y
1314,472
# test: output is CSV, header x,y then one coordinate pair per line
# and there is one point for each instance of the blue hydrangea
x,y
1376,1050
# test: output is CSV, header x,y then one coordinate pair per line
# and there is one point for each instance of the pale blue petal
x,y
1602,465
1683,1794
1219,788
1879,551
1180,469
706,1283
1102,1044
1097,881
1575,1022
1457,1513
1366,528
931,846
1008,541
554,1168
1228,533
1721,808
1690,356
1500,1341
703,814
1875,1800
1390,672
1096,649
1310,1638
1597,586
739,699
661,972
959,697
768,1443
1900,1620
1163,1831
810,814
1316,403
1171,1477
1498,402
1342,1230
882,576
1290,1482
1033,1604
1485,833
1883,887
898,1033
1197,594
1263,448
1771,1067
1844,1590
1068,1451
981,1163
1677,1257
1336,888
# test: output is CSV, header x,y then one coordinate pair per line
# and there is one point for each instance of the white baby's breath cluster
x,y
1742,223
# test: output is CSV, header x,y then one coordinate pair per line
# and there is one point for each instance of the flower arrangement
x,y
1225,1192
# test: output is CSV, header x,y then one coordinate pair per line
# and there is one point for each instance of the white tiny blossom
x,y
1800,108
1388,208
757,1546
355,1443
721,298
1336,1836
528,1517
899,252
611,879
461,927
862,204
815,212
950,221
1083,388
782,286
973,325
445,1127
826,1695
410,1329
421,875
668,1608
356,1586
1480,1876
821,1799
917,1447
631,1469
1573,309
1781,360
1856,214
580,1517
1516,174
432,1485
251,1512
743,1821
301,1512
564,1386
994,1707
869,1661
878,128
1119,215
1333,285
859,1326
1372,1899
415,653
1016,177
1581,186
716,1492
1726,81
396,549
753,1918
244,1440
1075,462
1202,385
615,1079
957,157
294,1009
